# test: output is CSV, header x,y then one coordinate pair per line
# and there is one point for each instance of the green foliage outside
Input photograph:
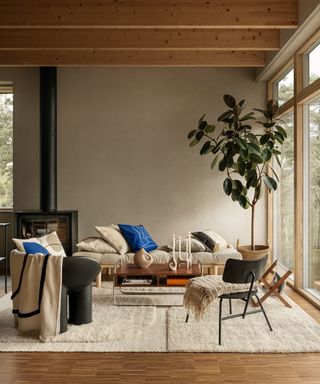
x,y
314,194
285,200
286,88
6,150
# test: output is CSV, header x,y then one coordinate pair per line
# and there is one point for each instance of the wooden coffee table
x,y
157,275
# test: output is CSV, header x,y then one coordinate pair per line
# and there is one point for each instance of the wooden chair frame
x,y
273,289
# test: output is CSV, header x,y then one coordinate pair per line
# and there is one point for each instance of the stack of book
x,y
136,282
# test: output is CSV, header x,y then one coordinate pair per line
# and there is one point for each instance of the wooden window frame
x,y
302,94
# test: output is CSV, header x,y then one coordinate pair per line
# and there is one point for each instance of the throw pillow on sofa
x,y
212,240
95,244
209,244
196,245
137,237
51,242
113,236
222,243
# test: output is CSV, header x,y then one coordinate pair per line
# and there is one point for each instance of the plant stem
x,y
253,205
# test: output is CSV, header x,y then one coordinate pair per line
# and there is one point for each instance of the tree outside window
x,y
6,150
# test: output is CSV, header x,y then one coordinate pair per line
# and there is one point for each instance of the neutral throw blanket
x,y
36,292
201,291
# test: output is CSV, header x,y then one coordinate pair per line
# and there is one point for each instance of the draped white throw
x,y
201,291
36,292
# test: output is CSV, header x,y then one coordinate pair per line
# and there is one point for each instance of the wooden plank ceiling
x,y
230,33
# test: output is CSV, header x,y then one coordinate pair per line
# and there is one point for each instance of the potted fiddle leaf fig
x,y
244,155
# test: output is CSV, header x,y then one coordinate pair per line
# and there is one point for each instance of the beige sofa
x,y
211,262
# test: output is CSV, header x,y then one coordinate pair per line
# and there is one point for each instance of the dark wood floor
x,y
175,368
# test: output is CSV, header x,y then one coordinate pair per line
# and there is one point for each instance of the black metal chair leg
x,y
220,319
230,306
245,308
187,317
264,313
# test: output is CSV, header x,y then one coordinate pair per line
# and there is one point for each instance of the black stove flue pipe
x,y
48,138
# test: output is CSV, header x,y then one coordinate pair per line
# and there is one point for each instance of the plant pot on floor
x,y
248,254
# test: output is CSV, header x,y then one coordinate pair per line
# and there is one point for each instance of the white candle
x,y
174,245
189,242
179,245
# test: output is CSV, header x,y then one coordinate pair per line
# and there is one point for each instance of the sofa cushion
x,y
159,257
206,241
101,258
207,258
163,257
221,243
112,235
137,237
196,245
212,240
95,244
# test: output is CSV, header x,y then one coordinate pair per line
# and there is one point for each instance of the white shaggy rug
x,y
130,327
293,330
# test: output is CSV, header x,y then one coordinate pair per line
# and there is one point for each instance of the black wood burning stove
x,y
48,218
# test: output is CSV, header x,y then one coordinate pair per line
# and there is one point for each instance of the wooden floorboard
x,y
175,368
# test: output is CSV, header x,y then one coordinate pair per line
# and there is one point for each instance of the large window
x,y
283,231
312,201
6,157
295,222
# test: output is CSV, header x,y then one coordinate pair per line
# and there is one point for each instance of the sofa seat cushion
x,y
207,258
101,258
162,257
159,257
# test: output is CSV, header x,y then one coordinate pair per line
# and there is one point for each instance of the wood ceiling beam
x,y
133,58
156,39
149,13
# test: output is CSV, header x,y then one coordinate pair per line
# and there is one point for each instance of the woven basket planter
x,y
248,254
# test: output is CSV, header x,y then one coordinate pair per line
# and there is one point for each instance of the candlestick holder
x,y
177,262
173,264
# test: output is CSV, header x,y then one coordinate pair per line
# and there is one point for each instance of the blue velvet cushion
x,y
33,248
137,237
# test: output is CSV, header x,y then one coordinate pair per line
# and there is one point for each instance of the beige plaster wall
x,y
122,147
124,155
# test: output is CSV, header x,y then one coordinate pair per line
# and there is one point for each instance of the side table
x,y
4,226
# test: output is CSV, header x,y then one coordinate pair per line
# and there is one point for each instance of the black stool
x,y
78,274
